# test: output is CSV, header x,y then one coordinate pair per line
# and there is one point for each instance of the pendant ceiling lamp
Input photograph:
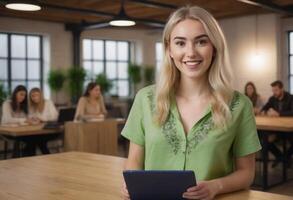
x,y
122,19
23,5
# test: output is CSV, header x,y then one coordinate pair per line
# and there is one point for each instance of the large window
x,y
111,58
159,55
21,60
291,62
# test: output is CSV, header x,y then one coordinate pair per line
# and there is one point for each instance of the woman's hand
x,y
205,190
124,191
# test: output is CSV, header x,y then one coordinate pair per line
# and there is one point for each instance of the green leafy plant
x,y
104,83
76,76
3,94
149,74
56,79
134,73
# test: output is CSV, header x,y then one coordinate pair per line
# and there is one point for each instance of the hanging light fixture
x,y
122,19
23,5
257,59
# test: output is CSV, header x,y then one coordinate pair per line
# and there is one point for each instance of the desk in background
x,y
93,137
19,133
77,175
283,126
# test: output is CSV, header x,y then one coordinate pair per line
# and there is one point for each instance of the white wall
x,y
241,38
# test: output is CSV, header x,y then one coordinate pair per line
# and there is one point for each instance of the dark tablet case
x,y
157,184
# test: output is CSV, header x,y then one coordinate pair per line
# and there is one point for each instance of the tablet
x,y
157,184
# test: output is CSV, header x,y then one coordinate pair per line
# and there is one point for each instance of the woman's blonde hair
x,y
36,107
219,73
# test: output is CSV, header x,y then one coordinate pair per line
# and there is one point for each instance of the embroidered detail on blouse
x,y
199,135
169,128
170,133
235,101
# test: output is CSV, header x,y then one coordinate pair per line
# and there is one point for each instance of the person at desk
x,y
91,105
40,110
280,104
15,110
256,100
192,119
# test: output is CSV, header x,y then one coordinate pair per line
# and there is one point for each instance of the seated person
x,y
15,110
280,104
255,98
40,110
91,104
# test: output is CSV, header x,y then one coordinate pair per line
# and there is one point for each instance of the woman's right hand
x,y
124,191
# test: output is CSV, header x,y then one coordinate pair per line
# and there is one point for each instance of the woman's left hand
x,y
205,190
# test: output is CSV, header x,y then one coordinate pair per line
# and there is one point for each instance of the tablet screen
x,y
157,184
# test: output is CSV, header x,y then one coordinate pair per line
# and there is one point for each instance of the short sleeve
x,y
133,129
246,140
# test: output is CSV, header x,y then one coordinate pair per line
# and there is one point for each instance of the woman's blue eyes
x,y
180,43
197,43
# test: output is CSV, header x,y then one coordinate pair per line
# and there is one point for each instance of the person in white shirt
x,y
15,110
40,110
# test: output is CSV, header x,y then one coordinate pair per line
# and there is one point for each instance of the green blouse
x,y
210,152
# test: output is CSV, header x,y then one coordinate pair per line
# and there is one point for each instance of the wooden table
x,y
76,176
283,126
19,133
93,137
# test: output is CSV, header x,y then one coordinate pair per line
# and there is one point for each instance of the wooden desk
x,y
20,133
93,137
76,176
27,130
283,126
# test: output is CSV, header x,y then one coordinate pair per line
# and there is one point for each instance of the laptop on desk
x,y
65,115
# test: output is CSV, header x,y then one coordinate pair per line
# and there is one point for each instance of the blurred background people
x,y
15,110
251,92
280,104
91,104
40,109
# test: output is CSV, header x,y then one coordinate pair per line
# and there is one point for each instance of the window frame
x,y
290,56
26,59
104,61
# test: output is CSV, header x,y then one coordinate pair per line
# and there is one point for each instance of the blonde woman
x,y
91,105
192,119
40,109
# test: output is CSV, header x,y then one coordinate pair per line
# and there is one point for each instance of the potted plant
x,y
104,83
134,73
76,77
56,79
149,74
3,94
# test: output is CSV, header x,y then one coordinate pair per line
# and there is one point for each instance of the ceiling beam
x,y
269,5
79,10
155,4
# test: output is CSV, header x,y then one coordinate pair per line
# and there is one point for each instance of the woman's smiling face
x,y
190,48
